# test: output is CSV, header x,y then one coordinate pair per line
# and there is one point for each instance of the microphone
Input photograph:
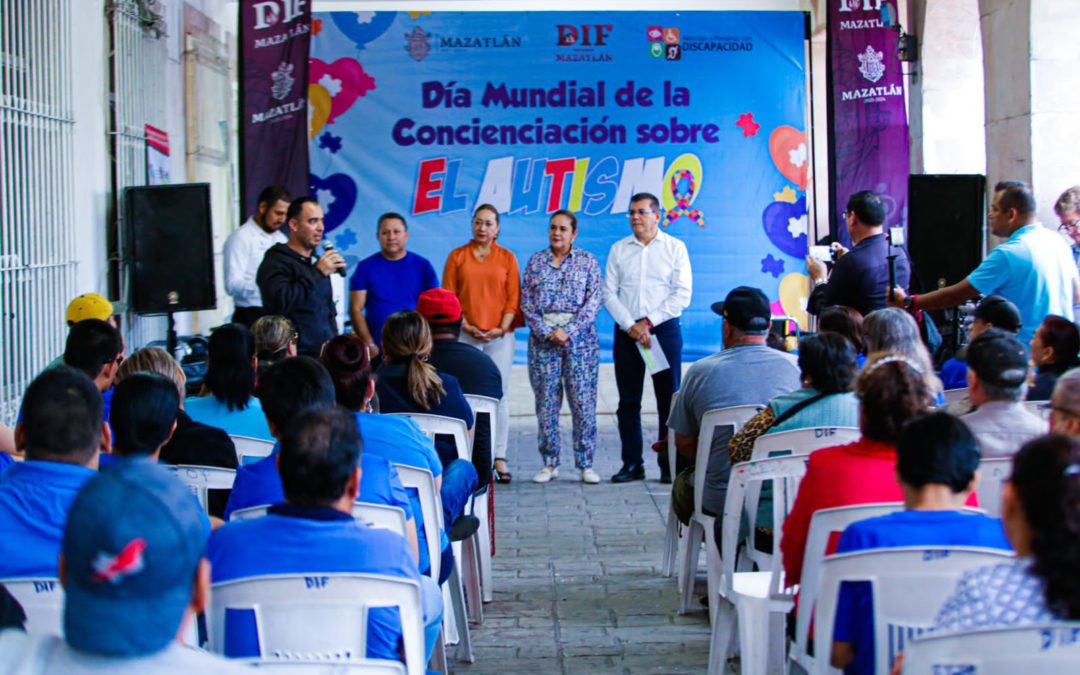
x,y
328,247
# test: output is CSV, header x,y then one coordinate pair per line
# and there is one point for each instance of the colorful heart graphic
x,y
787,147
337,196
344,80
363,27
785,225
318,109
793,296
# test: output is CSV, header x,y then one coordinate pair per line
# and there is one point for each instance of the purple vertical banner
x,y
275,36
868,129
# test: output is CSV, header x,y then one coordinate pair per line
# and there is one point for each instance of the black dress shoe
x,y
463,528
629,473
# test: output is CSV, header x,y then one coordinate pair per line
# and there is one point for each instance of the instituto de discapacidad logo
x,y
664,42
283,81
870,64
417,45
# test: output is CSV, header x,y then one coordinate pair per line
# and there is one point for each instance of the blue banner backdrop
x,y
431,114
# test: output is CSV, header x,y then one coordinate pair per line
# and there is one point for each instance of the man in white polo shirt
x,y
245,248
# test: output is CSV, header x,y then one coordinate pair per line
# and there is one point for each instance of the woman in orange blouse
x,y
487,280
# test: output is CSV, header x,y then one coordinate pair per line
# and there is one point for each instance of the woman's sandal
x,y
503,476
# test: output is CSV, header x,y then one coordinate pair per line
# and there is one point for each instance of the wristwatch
x,y
909,302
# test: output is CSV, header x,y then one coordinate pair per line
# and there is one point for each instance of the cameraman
x,y
860,276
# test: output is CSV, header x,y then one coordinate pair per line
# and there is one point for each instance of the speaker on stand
x,y
946,226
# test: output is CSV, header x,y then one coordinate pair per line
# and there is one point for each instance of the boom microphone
x,y
328,247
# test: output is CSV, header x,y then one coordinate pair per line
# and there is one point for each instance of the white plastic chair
x,y
490,407
790,442
201,479
43,601
900,613
433,425
1049,648
993,472
382,516
674,528
357,667
953,395
424,483
1040,408
700,529
823,524
249,449
754,602
318,616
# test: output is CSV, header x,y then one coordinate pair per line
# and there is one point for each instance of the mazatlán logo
x,y
584,42
664,42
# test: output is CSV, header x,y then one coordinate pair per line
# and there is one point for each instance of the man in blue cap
x,y
134,578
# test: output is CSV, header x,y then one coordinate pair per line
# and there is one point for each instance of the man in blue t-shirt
x,y
286,389
937,459
388,281
62,432
314,531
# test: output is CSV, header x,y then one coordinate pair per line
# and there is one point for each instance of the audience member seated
x,y
227,400
1041,510
894,330
192,442
96,348
286,389
409,384
62,431
993,311
848,322
721,381
314,531
891,389
937,462
86,306
134,578
398,439
1065,404
474,370
1053,351
997,382
275,340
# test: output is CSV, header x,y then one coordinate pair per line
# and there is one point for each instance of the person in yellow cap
x,y
87,306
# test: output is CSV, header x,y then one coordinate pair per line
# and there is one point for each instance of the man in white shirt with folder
x,y
245,248
647,285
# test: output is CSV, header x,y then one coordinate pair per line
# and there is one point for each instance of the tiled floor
x,y
577,583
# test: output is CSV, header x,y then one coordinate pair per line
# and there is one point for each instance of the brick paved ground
x,y
577,583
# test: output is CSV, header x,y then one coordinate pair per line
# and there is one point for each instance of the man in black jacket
x,y
860,278
296,284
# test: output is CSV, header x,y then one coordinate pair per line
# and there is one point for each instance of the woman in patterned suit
x,y
561,295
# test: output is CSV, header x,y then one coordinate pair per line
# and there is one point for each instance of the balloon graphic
x,y
337,196
785,225
787,147
344,81
318,109
363,27
793,296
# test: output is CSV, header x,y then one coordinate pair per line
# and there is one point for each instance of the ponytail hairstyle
x,y
1046,480
273,334
406,341
892,390
229,375
349,362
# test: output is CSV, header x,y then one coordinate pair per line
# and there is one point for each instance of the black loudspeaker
x,y
170,248
946,221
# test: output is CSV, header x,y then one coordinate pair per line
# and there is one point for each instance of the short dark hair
x,y
62,412
273,194
319,453
487,207
91,344
1063,336
230,377
143,409
297,205
391,216
1017,195
937,449
891,390
289,386
452,328
828,359
348,361
846,321
867,207
569,214
643,196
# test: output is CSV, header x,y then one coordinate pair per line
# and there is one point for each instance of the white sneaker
x,y
589,476
546,475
